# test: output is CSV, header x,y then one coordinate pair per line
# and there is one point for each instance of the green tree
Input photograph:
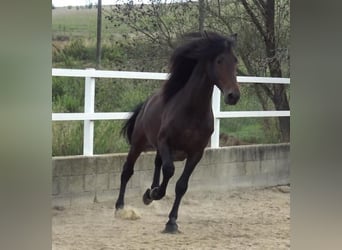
x,y
263,28
262,25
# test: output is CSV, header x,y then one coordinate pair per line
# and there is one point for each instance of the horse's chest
x,y
190,133
197,136
188,130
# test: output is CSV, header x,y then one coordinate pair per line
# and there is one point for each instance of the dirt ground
x,y
237,219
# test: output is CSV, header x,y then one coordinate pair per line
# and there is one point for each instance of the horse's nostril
x,y
232,98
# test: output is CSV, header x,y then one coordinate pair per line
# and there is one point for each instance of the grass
x,y
74,23
82,23
67,138
251,130
114,143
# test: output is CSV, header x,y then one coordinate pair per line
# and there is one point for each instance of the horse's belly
x,y
190,140
179,155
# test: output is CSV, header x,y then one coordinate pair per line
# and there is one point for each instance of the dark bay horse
x,y
177,121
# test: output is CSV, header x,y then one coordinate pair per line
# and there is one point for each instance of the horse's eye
x,y
219,60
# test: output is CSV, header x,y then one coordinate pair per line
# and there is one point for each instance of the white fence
x,y
89,116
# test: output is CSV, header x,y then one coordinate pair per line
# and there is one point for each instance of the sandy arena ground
x,y
238,219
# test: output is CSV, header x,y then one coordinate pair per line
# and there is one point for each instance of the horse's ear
x,y
205,34
234,37
231,41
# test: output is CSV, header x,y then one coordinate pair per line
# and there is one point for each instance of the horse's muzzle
x,y
232,98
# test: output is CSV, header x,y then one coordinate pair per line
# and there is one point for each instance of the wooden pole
x,y
98,36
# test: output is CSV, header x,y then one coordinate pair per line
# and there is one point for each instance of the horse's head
x,y
213,53
223,72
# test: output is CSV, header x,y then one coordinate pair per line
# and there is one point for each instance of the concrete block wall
x,y
78,179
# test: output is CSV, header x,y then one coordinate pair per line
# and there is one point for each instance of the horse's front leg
x,y
147,199
168,169
181,187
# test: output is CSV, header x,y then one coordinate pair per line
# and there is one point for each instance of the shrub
x,y
78,51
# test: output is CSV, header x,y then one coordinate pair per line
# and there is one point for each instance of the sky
x,y
65,3
61,3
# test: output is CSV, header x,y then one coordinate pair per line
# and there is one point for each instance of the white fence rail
x,y
89,116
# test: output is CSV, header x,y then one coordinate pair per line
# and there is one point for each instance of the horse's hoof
x,y
147,197
171,228
155,195
119,206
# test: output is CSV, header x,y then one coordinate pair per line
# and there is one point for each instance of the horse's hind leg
x,y
156,178
127,172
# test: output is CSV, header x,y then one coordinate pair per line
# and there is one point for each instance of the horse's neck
x,y
198,90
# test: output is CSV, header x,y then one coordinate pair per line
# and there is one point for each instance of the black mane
x,y
196,47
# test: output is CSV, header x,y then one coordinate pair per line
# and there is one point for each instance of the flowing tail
x,y
128,127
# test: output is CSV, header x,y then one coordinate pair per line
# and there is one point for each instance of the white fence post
x,y
216,105
89,104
